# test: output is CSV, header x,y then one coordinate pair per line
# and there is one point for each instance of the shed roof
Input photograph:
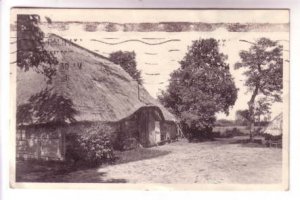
x,y
275,126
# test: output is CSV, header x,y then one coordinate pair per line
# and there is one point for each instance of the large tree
x,y
45,106
200,88
31,51
263,66
127,61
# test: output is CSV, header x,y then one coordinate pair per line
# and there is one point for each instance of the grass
x,y
223,129
230,131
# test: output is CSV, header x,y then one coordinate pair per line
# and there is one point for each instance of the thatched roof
x,y
275,126
99,90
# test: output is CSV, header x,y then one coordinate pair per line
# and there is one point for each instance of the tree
x,y
127,61
200,88
44,107
262,109
31,51
264,70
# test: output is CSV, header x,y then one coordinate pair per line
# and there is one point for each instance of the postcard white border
x,y
294,142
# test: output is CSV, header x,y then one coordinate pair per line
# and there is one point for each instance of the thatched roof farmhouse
x,y
92,90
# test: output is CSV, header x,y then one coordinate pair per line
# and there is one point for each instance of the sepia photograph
x,y
144,98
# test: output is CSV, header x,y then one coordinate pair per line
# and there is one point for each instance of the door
x,y
157,132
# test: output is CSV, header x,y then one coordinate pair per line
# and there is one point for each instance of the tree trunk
x,y
251,120
251,112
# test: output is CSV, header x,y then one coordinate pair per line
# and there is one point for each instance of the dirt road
x,y
212,162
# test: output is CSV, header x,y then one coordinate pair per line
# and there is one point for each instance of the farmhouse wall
x,y
48,142
40,143
127,134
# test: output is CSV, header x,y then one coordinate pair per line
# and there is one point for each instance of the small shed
x,y
274,128
273,132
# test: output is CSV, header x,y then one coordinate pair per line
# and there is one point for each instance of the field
x,y
212,162
241,130
222,129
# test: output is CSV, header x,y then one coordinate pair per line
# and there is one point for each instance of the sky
x,y
157,61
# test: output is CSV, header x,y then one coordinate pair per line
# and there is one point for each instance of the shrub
x,y
232,132
271,137
200,135
236,132
216,134
93,148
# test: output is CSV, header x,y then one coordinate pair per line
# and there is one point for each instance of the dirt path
x,y
182,162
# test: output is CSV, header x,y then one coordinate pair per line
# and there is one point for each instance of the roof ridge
x,y
80,47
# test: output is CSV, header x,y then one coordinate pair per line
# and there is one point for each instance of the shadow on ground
x,y
55,171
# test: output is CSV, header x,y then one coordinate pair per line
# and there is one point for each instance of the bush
x,y
271,137
233,132
229,133
200,135
93,148
216,134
